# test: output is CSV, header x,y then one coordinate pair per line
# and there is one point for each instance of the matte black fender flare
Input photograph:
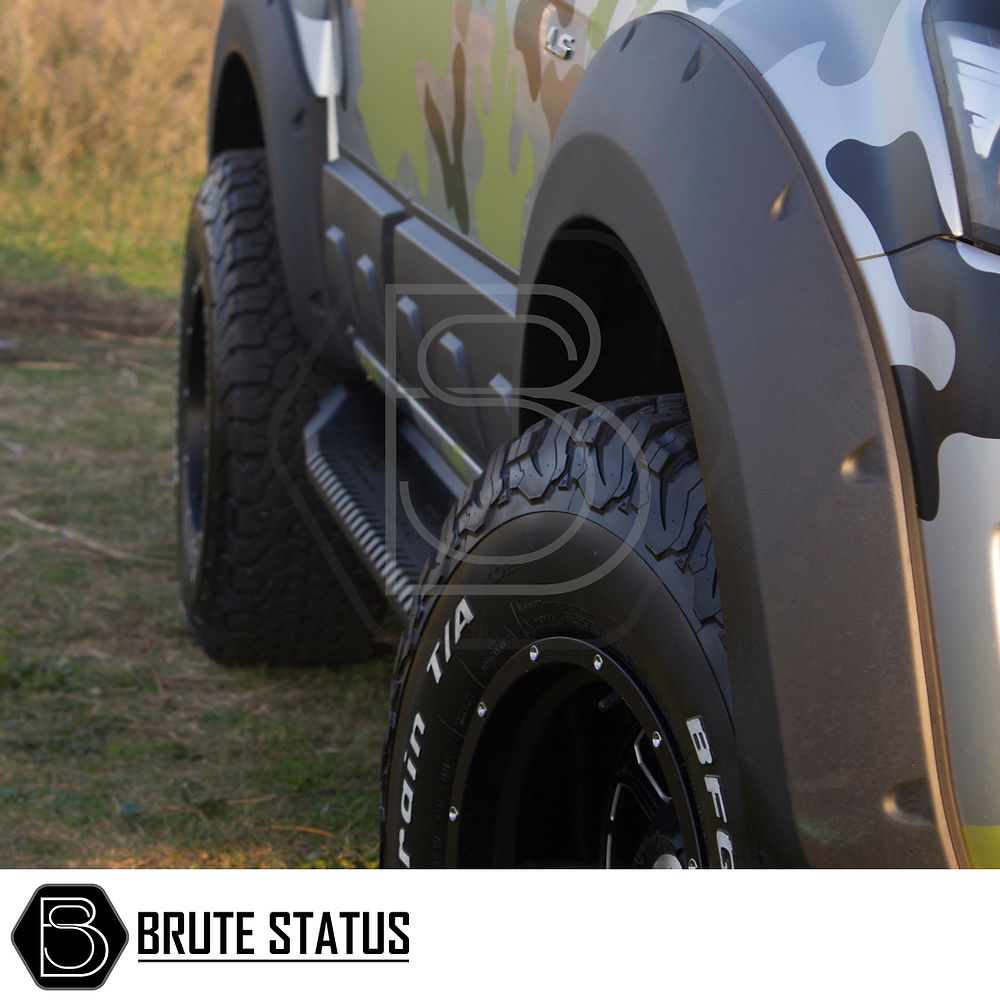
x,y
294,122
670,142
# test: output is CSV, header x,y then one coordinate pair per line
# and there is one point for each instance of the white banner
x,y
200,934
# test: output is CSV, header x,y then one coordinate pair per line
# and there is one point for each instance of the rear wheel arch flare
x,y
236,122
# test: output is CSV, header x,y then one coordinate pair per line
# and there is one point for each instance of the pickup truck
x,y
643,357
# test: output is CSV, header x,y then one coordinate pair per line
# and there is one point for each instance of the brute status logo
x,y
69,937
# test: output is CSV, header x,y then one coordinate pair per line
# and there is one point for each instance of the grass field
x,y
102,121
92,235
121,744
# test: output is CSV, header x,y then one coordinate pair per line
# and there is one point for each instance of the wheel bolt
x,y
667,861
598,661
533,653
692,863
656,739
453,813
481,710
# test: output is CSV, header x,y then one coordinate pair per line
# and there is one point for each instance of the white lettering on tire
x,y
714,788
700,740
713,785
725,845
418,729
453,630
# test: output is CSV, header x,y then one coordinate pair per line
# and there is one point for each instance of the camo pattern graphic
x,y
442,96
459,107
473,110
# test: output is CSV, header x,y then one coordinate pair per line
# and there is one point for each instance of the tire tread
x,y
586,453
266,593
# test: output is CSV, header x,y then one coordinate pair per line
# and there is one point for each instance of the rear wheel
x,y
561,699
265,575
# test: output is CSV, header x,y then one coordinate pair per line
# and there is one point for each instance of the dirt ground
x,y
67,309
121,744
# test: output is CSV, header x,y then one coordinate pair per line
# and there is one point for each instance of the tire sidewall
x,y
273,579
627,611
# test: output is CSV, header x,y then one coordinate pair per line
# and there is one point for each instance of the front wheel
x,y
562,696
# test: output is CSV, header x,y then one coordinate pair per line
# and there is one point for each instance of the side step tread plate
x,y
381,491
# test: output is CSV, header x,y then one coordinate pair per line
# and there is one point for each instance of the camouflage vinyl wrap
x,y
457,105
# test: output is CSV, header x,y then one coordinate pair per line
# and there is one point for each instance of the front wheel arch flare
x,y
784,377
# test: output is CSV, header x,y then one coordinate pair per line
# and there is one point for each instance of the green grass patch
x,y
103,234
121,744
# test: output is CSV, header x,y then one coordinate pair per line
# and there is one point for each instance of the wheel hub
x,y
568,762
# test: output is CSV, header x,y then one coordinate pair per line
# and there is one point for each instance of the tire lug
x,y
598,661
453,813
533,653
656,739
481,710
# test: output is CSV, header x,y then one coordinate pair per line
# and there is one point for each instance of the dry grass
x,y
119,86
102,136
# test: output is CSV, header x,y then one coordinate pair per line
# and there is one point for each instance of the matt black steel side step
x,y
389,497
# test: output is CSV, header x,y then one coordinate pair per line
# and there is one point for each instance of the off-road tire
x,y
653,621
266,577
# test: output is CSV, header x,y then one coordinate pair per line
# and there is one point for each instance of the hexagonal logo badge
x,y
69,937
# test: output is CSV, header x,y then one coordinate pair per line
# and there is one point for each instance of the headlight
x,y
964,41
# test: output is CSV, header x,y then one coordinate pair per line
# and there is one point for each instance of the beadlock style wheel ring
x,y
562,717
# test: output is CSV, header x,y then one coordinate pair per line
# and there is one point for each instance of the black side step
x,y
389,496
